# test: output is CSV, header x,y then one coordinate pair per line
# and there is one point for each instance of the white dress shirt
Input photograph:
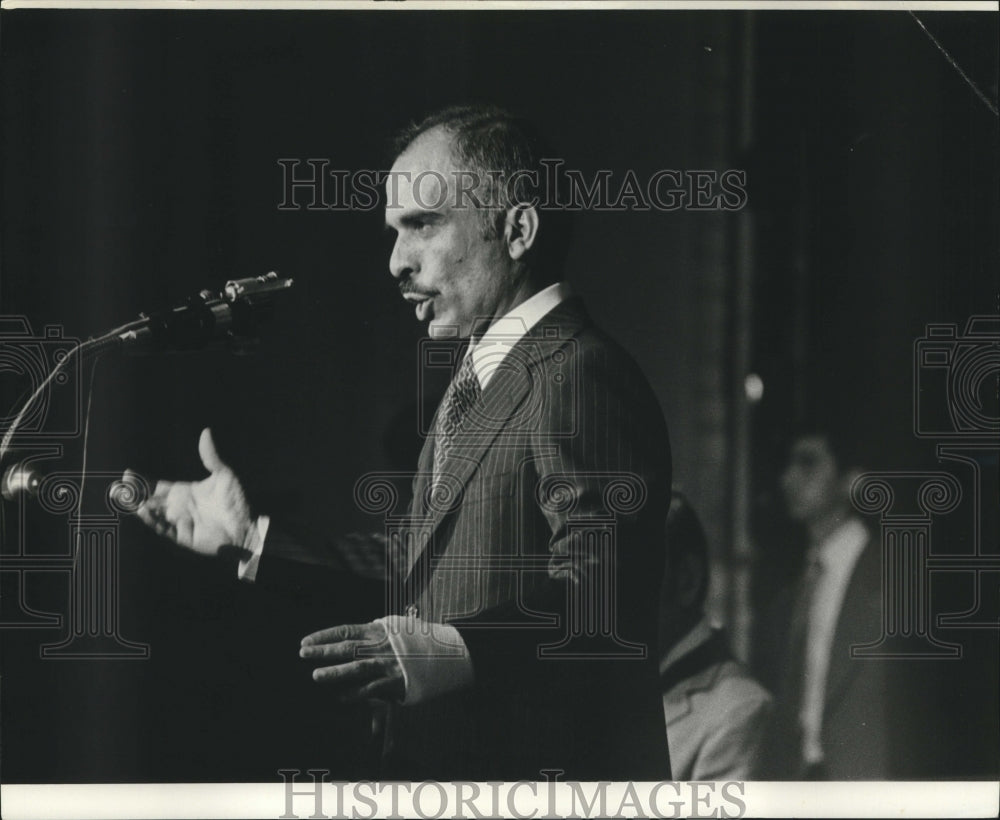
x,y
837,556
433,657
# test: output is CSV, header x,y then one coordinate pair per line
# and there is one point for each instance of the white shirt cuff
x,y
254,544
433,657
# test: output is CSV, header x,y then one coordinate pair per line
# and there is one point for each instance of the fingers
x,y
160,490
359,663
158,522
372,679
179,501
345,632
202,515
343,651
184,532
209,455
146,516
169,512
152,511
356,672
136,481
154,508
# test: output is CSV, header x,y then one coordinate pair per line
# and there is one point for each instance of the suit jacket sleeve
x,y
602,455
296,564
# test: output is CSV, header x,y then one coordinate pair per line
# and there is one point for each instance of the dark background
x,y
140,165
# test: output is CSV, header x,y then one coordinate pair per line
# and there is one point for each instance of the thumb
x,y
209,455
132,490
132,479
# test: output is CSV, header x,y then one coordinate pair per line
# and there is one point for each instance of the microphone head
x,y
19,478
255,288
251,301
230,317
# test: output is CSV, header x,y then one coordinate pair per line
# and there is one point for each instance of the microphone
x,y
231,316
20,478
207,318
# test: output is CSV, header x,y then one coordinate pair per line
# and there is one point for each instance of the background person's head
x,y
816,482
686,574
474,237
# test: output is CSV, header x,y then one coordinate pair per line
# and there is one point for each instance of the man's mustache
x,y
408,287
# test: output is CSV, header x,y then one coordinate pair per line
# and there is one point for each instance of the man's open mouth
x,y
423,304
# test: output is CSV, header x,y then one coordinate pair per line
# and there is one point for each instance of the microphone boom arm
x,y
228,316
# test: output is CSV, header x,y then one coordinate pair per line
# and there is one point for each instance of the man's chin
x,y
443,329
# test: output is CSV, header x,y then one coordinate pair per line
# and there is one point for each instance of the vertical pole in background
x,y
739,614
709,427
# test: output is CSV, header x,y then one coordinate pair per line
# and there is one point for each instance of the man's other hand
x,y
356,661
201,515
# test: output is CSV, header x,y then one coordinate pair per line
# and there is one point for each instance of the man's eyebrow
x,y
414,219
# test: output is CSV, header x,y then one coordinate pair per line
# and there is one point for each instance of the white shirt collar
x,y
492,347
841,548
697,635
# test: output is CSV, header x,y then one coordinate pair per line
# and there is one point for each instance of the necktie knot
x,y
461,395
465,387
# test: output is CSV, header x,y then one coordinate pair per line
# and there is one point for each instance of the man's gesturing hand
x,y
201,515
357,661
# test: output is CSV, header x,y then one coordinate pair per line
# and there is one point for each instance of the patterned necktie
x,y
458,399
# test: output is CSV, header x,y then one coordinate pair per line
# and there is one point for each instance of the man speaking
x,y
523,590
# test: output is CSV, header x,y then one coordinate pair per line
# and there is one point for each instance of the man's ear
x,y
521,229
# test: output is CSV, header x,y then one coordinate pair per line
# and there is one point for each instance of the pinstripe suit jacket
x,y
542,545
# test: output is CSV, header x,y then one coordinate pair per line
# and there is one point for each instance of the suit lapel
x,y
859,615
676,705
481,426
425,473
500,399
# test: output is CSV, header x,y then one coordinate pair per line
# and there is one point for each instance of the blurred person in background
x,y
831,718
716,713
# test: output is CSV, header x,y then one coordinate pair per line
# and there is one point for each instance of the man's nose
x,y
401,263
